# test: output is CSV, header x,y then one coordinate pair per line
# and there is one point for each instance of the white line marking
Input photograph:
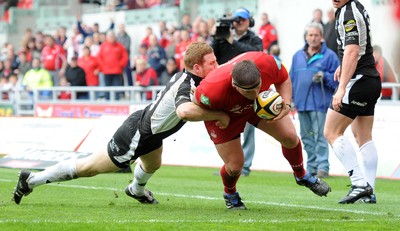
x,y
176,221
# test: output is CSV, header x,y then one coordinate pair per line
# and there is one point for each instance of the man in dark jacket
x,y
76,77
241,40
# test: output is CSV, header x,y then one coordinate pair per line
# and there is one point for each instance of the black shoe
x,y
316,185
234,202
22,188
357,192
147,198
367,200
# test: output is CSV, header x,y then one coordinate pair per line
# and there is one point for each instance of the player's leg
x,y
232,154
362,130
144,170
94,164
335,126
284,131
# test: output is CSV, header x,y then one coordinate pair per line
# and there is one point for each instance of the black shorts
x,y
362,93
129,143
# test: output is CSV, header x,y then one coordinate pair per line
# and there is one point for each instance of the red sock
x,y
228,181
295,158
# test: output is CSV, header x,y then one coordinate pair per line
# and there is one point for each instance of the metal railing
x,y
23,102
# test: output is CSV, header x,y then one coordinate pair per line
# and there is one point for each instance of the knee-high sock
x,y
139,180
295,158
345,152
228,181
369,156
63,171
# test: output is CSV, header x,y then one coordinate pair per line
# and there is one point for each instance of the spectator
x,y
89,42
171,69
7,70
203,32
275,51
313,86
164,39
156,56
73,42
62,36
76,76
175,41
64,95
185,23
317,17
90,31
125,40
145,76
39,45
145,40
181,48
91,67
241,40
24,65
54,59
385,71
329,31
112,59
267,33
37,77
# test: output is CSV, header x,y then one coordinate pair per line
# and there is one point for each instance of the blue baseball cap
x,y
241,12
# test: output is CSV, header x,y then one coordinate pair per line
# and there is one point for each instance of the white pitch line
x,y
215,198
3,221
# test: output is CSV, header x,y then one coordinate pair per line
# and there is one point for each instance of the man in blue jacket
x,y
313,86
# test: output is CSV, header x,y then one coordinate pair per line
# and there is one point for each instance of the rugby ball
x,y
268,104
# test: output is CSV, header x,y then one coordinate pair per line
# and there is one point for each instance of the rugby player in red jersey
x,y
232,88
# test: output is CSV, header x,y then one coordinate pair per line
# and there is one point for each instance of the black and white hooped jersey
x,y
353,27
159,118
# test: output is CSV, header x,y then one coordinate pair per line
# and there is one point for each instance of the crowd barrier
x,y
23,103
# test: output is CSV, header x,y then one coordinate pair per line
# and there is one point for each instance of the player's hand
x,y
223,121
337,99
336,76
284,112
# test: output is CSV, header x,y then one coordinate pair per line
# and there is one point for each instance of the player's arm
x,y
190,111
349,65
285,90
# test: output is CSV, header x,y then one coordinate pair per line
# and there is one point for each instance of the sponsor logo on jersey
x,y
204,100
349,25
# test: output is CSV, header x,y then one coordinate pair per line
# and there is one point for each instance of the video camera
x,y
224,26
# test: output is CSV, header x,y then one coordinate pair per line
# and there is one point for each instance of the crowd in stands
x,y
89,57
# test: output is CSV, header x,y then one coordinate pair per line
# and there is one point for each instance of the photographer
x,y
232,38
239,40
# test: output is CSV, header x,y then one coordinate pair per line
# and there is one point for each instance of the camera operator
x,y
229,43
239,40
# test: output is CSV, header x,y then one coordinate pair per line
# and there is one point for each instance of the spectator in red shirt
x,y
112,58
267,33
385,71
91,67
54,59
145,76
181,48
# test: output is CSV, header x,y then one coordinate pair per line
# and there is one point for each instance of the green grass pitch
x,y
191,199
